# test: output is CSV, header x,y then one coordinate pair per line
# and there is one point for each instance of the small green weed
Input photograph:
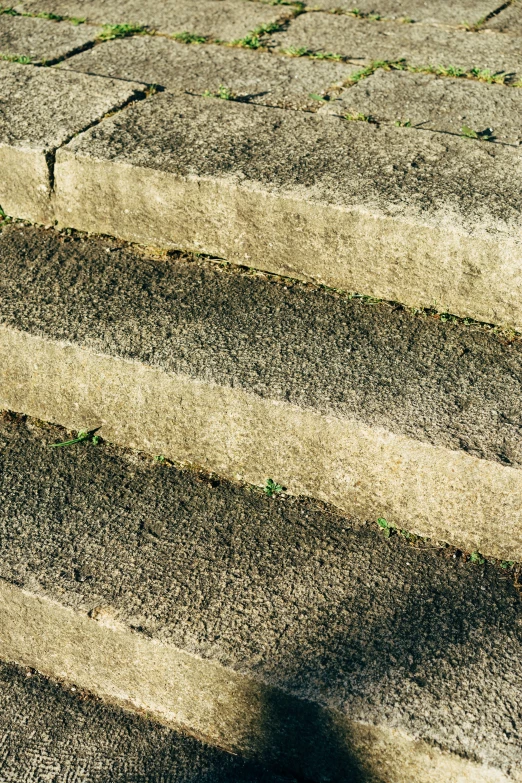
x,y
8,11
403,123
507,564
358,117
159,458
3,217
83,435
477,558
386,528
316,97
485,135
76,20
254,39
271,488
326,56
225,93
16,58
294,51
189,38
111,31
51,17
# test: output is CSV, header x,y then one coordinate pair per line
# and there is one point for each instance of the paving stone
x,y
269,625
41,40
463,11
434,103
378,411
307,196
420,44
224,19
253,76
507,21
41,109
47,729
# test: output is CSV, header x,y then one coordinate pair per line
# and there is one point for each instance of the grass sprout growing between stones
x,y
16,58
254,39
111,31
485,135
271,488
189,38
225,93
83,435
358,117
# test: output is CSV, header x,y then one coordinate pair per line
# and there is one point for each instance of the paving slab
x,y
42,108
463,11
379,210
52,729
434,103
375,410
362,40
269,625
41,40
227,20
507,21
251,76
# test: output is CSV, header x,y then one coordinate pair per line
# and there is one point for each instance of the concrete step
x,y
53,731
269,626
404,213
364,405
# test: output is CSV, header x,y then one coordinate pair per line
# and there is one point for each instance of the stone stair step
x,y
366,406
270,626
53,731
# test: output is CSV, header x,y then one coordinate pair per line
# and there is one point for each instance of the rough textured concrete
x,y
40,39
51,731
457,13
508,21
395,415
407,216
40,109
286,595
256,77
226,20
420,44
434,103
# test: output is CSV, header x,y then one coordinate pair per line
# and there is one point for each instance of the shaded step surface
x,y
294,634
49,731
364,405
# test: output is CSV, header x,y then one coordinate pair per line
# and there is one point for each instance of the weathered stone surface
x,y
457,13
268,625
434,103
507,21
41,40
407,216
47,729
40,109
254,76
419,44
227,20
380,412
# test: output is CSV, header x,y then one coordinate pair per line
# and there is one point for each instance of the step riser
x,y
354,249
436,492
214,703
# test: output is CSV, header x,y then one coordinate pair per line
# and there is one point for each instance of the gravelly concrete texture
x,y
437,215
434,103
52,732
362,40
227,20
457,13
368,407
257,77
42,40
42,108
282,592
